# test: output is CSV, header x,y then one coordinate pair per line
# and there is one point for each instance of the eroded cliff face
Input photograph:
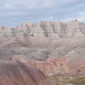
x,y
42,33
56,29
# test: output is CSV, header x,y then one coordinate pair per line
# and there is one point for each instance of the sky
x,y
15,12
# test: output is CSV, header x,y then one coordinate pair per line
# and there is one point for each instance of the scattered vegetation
x,y
68,80
78,81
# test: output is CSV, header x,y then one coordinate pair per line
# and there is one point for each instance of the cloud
x,y
17,11
8,6
80,16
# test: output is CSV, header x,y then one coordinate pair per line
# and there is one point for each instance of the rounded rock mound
x,y
17,73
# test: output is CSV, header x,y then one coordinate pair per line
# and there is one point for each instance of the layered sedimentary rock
x,y
43,41
50,66
42,33
64,60
16,73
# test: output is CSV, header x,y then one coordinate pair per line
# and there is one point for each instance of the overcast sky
x,y
15,12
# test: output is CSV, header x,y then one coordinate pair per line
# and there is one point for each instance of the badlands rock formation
x,y
50,66
43,34
16,73
45,44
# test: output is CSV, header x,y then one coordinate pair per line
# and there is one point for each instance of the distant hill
x,y
42,33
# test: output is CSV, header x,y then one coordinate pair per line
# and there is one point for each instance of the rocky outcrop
x,y
50,66
42,33
56,29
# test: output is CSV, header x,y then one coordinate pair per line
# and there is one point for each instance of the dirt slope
x,y
16,73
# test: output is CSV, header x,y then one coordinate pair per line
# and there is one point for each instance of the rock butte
x,y
43,34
